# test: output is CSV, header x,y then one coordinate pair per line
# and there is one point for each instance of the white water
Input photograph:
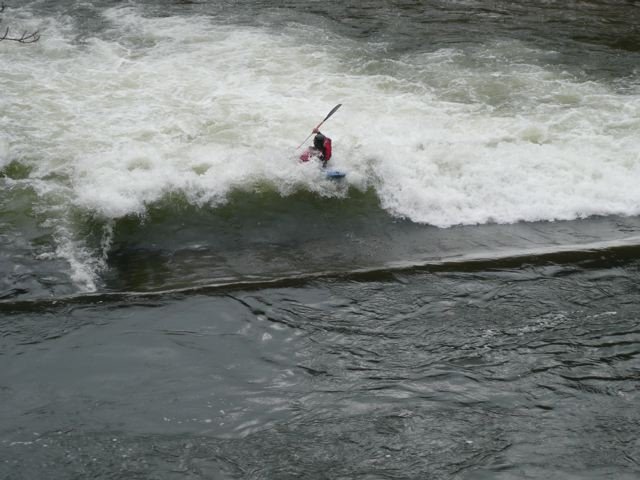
x,y
162,105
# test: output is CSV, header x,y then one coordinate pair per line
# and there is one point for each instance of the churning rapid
x,y
127,106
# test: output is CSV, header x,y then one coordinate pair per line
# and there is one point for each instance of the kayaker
x,y
321,149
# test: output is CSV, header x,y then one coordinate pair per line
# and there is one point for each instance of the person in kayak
x,y
321,149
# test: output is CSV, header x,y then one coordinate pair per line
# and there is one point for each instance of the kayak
x,y
336,174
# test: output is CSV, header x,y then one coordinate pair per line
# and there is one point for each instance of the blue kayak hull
x,y
335,174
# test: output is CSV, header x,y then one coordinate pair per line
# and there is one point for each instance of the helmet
x,y
318,141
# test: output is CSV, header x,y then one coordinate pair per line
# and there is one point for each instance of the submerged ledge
x,y
593,255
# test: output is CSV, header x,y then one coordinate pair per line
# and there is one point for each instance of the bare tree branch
x,y
26,36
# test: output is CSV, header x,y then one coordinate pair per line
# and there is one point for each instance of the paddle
x,y
333,110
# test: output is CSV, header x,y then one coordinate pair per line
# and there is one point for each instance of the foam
x,y
190,105
448,137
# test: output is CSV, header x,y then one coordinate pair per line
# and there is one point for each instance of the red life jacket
x,y
327,150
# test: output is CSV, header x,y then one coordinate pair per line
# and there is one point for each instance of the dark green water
x,y
180,299
517,370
